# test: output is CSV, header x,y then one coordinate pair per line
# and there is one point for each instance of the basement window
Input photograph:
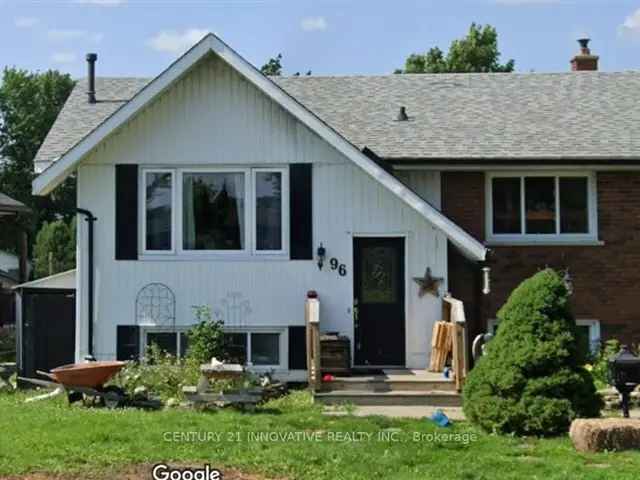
x,y
541,207
254,348
588,334
173,341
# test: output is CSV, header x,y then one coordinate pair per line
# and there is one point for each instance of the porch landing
x,y
392,387
394,411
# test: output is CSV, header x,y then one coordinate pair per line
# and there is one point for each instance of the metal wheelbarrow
x,y
79,379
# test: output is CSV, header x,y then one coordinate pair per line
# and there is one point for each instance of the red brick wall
x,y
606,278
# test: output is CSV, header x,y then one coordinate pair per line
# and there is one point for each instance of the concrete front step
x,y
433,398
364,384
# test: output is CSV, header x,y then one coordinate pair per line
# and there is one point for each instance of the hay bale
x,y
597,435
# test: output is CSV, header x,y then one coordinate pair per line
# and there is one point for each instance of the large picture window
x,y
541,206
213,211
239,210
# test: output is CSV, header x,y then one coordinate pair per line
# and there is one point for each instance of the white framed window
x,y
271,210
588,332
158,218
259,348
214,206
541,207
170,340
235,211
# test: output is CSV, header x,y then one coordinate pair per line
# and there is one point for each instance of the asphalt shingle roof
x,y
79,117
558,116
10,206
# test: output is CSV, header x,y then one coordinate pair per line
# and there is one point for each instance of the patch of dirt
x,y
138,472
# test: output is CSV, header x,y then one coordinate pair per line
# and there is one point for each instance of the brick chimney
x,y
584,61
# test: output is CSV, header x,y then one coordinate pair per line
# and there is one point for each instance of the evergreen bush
x,y
532,379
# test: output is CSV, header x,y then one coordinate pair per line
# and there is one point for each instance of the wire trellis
x,y
156,306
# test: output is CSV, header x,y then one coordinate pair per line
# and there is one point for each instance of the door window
x,y
379,275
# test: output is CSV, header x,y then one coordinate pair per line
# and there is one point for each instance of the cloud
x,y
172,41
512,3
102,3
631,25
56,35
25,22
313,24
64,57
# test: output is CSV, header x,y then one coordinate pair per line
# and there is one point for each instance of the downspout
x,y
90,220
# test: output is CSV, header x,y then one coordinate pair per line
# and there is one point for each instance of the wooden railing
x,y
312,322
453,311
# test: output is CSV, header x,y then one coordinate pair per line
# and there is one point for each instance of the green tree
x,y
532,379
29,104
477,52
273,68
55,248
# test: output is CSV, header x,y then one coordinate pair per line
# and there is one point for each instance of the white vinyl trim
x,y
590,238
59,170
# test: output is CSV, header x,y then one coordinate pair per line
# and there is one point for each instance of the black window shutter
x,y
297,348
128,342
301,211
126,212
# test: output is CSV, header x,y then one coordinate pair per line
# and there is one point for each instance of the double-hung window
x,y
232,210
541,207
159,199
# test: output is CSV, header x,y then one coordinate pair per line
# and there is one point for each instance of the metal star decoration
x,y
428,284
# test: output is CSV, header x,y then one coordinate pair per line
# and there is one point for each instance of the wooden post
x,y
312,321
460,358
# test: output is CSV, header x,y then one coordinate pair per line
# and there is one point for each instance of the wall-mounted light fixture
x,y
486,280
568,282
321,254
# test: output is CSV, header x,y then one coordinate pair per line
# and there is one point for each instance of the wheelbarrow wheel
x,y
113,397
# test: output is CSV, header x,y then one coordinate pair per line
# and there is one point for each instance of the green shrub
x,y
532,380
600,367
206,337
161,373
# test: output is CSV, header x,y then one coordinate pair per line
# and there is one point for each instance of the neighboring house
x,y
9,269
215,185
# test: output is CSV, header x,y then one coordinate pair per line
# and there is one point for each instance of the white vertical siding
x,y
423,182
214,117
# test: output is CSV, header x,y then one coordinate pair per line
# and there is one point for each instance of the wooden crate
x,y
335,355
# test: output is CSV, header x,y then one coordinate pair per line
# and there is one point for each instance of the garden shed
x,y
46,323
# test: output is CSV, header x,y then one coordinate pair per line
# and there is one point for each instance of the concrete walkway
x,y
454,413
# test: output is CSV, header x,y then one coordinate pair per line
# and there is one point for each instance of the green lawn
x,y
49,436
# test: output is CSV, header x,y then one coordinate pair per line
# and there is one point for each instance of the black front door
x,y
379,312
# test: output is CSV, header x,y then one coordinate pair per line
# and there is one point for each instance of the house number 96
x,y
336,265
